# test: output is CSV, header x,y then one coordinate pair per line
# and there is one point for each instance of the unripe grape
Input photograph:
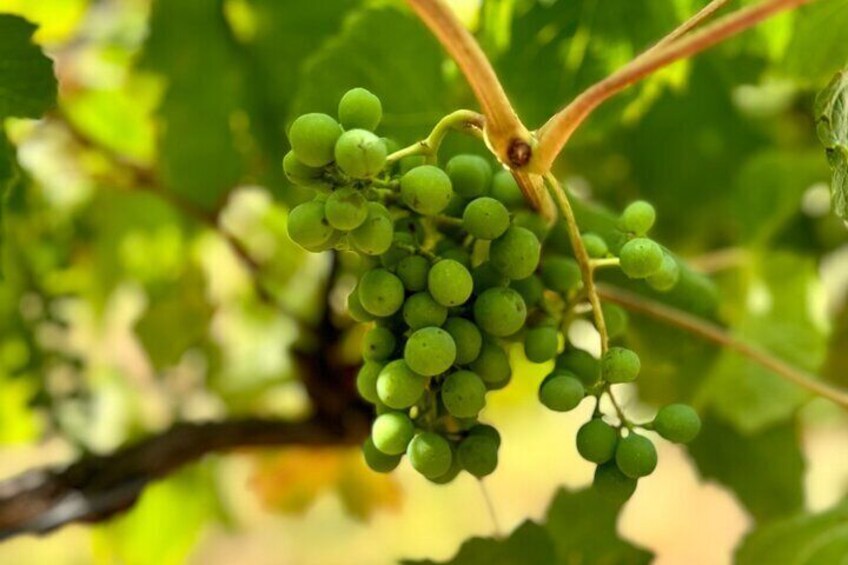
x,y
374,236
366,381
561,274
420,311
470,175
505,189
616,319
478,454
303,175
360,154
541,343
561,392
678,423
582,364
620,365
313,139
308,226
467,338
667,276
430,351
426,190
596,441
392,432
346,209
361,109
398,250
516,253
485,430
412,270
638,218
532,221
500,312
458,254
641,258
381,292
430,454
636,456
485,218
531,289
595,245
378,344
485,276
398,386
463,394
612,484
492,365
450,283
355,308
453,471
410,162
377,460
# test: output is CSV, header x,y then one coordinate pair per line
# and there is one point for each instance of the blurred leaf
x,y
27,85
818,47
835,368
832,119
291,480
765,470
805,539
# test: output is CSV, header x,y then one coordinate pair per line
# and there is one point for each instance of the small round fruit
x,y
360,154
467,338
381,292
636,456
478,454
300,174
308,226
492,365
486,276
355,308
596,441
638,218
412,270
346,209
450,283
678,423
366,381
430,454
398,386
620,365
561,392
595,245
505,189
561,274
392,432
313,139
541,343
582,364
487,431
374,236
360,109
616,319
421,311
641,258
531,289
500,312
426,190
612,484
377,460
378,344
666,278
470,175
516,253
430,351
463,394
485,218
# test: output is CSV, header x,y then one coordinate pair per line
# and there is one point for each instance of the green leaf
x,y
832,119
818,47
27,85
765,470
835,368
805,539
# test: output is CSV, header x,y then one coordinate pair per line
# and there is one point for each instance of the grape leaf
x,y
804,539
818,47
832,119
765,470
27,85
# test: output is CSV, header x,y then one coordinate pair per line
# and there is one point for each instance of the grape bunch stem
x,y
465,121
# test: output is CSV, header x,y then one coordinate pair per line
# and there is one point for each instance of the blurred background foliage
x,y
143,207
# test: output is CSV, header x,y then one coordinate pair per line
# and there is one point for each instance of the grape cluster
x,y
455,271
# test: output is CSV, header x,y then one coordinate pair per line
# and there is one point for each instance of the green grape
x,y
301,174
412,271
612,484
616,319
426,190
470,175
430,351
420,311
313,139
378,344
595,245
463,394
467,338
380,292
541,343
453,471
346,209
355,308
505,189
450,283
532,221
678,423
636,456
454,208
492,365
531,289
638,218
596,441
308,226
375,235
500,312
360,109
485,218
487,431
430,454
620,365
582,364
561,274
360,154
485,276
478,454
641,258
398,386
458,254
391,432
561,391
411,162
516,253
377,460
667,276
366,381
